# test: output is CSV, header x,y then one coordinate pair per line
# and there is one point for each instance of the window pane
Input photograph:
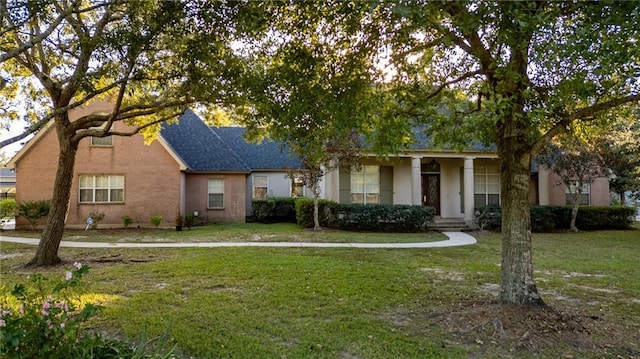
x,y
86,195
102,182
216,186
216,200
86,181
259,192
494,199
117,195
116,181
365,185
102,141
480,184
260,181
102,195
480,200
373,198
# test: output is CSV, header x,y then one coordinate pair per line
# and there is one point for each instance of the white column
x,y
468,191
416,181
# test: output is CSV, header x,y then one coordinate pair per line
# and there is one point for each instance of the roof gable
x,y
201,148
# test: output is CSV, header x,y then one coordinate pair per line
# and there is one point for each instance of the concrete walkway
x,y
455,239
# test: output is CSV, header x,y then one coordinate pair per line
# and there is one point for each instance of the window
x,y
101,189
216,193
260,186
365,185
486,185
102,141
297,187
571,190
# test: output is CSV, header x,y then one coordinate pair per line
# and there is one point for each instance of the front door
x,y
431,191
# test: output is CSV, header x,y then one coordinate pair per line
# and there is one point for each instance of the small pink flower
x,y
68,276
21,309
77,265
46,305
2,323
44,313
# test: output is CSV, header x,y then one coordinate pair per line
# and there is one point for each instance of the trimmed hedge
x,y
327,213
372,217
274,209
549,218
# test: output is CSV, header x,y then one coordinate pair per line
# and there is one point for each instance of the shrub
x,y
274,209
372,217
604,217
549,218
488,217
7,207
384,218
33,211
97,218
545,218
156,221
127,221
327,212
189,220
39,320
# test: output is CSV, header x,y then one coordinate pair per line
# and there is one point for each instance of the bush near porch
x,y
371,217
550,218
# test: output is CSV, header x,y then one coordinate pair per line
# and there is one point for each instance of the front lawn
x,y
364,303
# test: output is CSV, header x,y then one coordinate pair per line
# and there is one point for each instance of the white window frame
x,y
255,186
486,183
585,196
215,186
297,187
94,184
365,185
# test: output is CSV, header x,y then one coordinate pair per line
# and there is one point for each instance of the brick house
x,y
189,168
213,171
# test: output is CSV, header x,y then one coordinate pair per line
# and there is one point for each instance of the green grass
x,y
334,302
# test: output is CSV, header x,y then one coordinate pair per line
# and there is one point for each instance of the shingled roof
x,y
200,147
223,149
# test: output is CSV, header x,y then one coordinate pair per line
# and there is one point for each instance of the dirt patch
x,y
489,329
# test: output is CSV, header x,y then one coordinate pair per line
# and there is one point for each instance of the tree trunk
x,y
47,253
575,206
316,207
517,282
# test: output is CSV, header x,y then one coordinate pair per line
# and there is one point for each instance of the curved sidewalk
x,y
455,239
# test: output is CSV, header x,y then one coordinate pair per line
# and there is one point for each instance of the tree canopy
x,y
516,74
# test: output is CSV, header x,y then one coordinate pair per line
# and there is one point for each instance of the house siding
x,y
278,185
551,190
234,197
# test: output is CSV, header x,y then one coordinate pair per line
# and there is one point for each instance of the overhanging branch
x,y
583,114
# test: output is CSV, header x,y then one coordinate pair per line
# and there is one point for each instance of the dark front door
x,y
431,191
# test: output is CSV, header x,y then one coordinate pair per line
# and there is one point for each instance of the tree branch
x,y
586,113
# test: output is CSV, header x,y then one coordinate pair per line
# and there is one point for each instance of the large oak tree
x,y
149,58
515,74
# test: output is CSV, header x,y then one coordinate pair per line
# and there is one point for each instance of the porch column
x,y
416,181
468,191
